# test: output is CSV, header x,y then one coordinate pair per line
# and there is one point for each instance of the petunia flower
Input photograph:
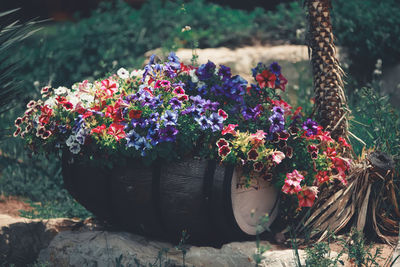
x,y
169,118
229,129
203,121
224,151
277,156
223,114
216,122
291,187
175,103
109,86
99,129
252,155
277,123
311,127
307,196
168,133
222,142
322,177
258,166
123,73
117,131
295,176
266,79
178,90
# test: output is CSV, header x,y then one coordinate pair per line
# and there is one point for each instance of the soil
x,y
12,205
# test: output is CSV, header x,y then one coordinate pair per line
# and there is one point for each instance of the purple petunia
x,y
310,126
175,103
277,123
203,121
216,122
169,118
168,134
225,72
206,71
275,68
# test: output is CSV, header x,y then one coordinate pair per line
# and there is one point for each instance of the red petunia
x,y
99,129
252,155
117,130
135,114
224,151
258,166
343,142
221,142
322,177
183,98
307,196
61,99
282,83
67,105
178,90
266,79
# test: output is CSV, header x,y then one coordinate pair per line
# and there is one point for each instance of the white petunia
x,y
61,90
51,102
193,75
71,139
74,100
137,73
123,73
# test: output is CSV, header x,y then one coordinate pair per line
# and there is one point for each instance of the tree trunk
x,y
330,101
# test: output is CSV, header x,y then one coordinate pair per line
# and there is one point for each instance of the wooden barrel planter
x,y
162,200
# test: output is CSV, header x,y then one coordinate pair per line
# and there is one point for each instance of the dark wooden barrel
x,y
164,199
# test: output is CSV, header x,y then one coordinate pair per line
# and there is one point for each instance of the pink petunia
x,y
294,176
291,187
277,156
222,113
109,86
229,129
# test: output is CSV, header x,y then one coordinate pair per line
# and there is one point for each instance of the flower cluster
x,y
140,110
284,142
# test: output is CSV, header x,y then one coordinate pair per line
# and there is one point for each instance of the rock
x,y
103,248
22,239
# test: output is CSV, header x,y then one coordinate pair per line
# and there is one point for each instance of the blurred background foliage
x,y
105,36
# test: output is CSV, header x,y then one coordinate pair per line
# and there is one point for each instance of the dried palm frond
x,y
363,203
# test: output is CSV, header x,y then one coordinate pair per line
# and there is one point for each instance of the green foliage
x,y
360,253
375,121
38,179
260,249
319,255
370,30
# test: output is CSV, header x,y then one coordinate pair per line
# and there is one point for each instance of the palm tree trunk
x,y
330,101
